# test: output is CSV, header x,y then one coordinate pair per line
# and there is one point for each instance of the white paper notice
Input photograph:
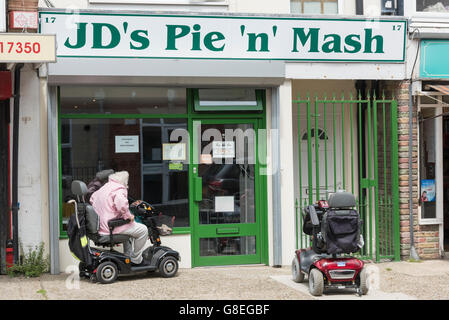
x,y
223,149
174,151
126,144
224,204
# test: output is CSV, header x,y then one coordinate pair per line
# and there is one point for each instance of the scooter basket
x,y
164,224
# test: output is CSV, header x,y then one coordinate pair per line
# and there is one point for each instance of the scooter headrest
x,y
341,199
79,188
104,174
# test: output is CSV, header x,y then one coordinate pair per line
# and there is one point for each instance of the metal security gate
x,y
352,144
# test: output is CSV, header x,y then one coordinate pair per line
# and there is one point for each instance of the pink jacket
x,y
111,202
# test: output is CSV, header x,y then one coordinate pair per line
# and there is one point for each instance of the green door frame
x,y
227,230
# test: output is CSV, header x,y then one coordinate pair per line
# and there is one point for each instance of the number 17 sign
x,y
27,47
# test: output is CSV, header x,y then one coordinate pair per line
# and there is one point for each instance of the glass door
x,y
226,193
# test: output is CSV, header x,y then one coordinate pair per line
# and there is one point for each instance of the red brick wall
x,y
22,5
426,237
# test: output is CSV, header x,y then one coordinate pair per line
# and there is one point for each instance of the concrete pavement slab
x,y
388,281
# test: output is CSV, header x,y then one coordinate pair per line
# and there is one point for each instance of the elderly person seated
x,y
111,202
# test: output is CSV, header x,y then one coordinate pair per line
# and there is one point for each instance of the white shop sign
x,y
108,35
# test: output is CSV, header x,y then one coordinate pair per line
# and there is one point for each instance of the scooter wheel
x,y
297,275
168,267
107,272
316,282
363,283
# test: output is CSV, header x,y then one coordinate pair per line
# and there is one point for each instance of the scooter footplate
x,y
143,268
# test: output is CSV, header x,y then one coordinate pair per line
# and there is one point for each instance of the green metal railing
x,y
352,144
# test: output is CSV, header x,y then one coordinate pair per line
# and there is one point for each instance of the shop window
x,y
122,100
428,161
134,145
432,5
228,100
314,6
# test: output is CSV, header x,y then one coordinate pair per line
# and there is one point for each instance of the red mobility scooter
x,y
334,227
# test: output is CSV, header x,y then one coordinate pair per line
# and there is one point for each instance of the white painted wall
x,y
286,171
173,5
371,8
2,16
45,209
346,7
270,171
259,6
29,167
346,71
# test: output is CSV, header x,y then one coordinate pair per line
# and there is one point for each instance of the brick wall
x,y
22,5
426,237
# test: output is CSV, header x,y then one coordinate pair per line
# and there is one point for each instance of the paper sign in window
x,y
224,204
126,144
223,149
206,158
174,151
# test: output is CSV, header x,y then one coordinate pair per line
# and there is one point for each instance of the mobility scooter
x,y
105,265
334,227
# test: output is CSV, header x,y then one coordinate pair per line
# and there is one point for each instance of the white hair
x,y
120,177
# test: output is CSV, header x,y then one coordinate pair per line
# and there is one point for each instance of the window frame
x,y
340,4
69,116
234,108
410,10
439,188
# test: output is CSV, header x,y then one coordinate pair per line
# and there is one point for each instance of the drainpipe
x,y
359,7
400,8
413,253
15,163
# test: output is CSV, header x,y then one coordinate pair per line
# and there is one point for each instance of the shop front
x,y
214,188
203,114
191,133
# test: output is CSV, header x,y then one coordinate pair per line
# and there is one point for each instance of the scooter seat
x,y
106,239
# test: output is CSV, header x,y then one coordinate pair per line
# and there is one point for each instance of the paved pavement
x,y
388,281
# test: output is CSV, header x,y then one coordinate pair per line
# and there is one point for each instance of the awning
x,y
444,89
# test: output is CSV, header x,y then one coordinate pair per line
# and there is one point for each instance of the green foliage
x,y
43,292
31,264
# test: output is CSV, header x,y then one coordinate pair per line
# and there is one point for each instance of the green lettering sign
x,y
98,36
172,35
80,37
312,35
369,42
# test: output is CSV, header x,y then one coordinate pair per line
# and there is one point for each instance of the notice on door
x,y
223,149
224,204
126,144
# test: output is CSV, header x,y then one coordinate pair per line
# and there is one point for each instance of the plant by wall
x,y
31,264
